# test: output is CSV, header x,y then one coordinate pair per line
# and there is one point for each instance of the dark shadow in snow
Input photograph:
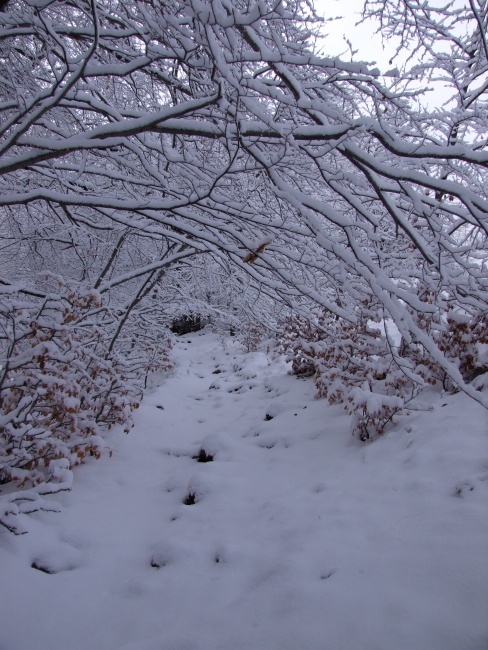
x,y
190,499
327,574
50,569
203,457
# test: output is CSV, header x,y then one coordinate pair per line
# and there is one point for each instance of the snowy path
x,y
300,538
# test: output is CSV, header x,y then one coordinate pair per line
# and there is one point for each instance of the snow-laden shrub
x,y
352,364
61,381
296,341
357,365
251,333
463,339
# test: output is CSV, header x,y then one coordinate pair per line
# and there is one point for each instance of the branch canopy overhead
x,y
215,126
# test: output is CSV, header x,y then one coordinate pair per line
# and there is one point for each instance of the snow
x,y
298,536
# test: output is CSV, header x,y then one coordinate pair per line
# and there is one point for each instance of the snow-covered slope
x,y
295,537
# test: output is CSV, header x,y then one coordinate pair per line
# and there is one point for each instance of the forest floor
x,y
295,537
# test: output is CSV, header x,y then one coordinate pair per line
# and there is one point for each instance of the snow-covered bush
x,y
251,334
357,365
463,340
461,336
59,382
297,340
352,364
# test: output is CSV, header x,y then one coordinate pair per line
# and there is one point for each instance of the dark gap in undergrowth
x,y
186,324
268,417
190,499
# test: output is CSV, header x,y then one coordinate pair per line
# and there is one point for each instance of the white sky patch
x,y
367,44
363,38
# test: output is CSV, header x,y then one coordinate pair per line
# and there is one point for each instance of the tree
x,y
136,137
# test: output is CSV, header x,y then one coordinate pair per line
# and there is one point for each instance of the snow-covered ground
x,y
299,538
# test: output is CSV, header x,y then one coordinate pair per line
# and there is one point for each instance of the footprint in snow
x,y
327,574
463,488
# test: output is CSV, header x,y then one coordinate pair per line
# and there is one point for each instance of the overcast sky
x,y
368,43
362,37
